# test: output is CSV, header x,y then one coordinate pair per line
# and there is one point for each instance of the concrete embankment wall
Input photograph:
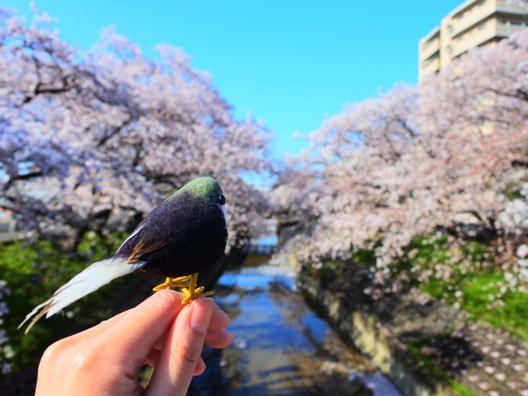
x,y
372,338
363,324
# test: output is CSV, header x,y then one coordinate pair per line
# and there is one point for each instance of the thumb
x,y
182,349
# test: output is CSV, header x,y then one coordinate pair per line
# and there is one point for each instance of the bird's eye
x,y
221,200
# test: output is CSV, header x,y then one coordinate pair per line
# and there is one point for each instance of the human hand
x,y
161,332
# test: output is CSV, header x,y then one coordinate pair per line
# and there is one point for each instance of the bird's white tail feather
x,y
92,278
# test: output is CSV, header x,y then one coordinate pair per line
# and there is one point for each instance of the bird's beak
x,y
224,211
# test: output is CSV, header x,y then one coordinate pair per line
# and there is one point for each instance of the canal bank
x,y
423,345
281,346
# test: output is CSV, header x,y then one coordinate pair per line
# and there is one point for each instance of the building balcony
x,y
430,67
511,7
490,31
430,50
506,28
468,18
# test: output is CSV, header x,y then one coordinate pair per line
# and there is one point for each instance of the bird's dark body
x,y
192,234
183,235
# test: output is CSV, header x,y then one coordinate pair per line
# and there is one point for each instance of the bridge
x,y
259,249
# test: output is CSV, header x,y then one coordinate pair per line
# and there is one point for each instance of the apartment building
x,y
475,23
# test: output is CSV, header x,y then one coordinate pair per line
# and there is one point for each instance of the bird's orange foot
x,y
191,296
192,292
180,282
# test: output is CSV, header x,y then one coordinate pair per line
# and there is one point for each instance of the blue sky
x,y
290,63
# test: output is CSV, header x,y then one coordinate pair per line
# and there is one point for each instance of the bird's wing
x,y
92,278
136,231
143,247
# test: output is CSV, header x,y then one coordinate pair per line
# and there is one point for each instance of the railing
x,y
7,226
9,231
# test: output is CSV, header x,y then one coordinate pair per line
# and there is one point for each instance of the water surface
x,y
280,346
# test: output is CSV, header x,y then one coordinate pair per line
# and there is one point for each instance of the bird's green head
x,y
205,189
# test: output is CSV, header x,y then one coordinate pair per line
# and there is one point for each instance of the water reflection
x,y
280,346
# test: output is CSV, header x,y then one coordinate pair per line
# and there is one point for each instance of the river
x,y
280,346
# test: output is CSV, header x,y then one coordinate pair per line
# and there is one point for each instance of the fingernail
x,y
200,318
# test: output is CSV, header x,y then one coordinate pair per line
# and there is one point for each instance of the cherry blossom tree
x,y
91,141
415,160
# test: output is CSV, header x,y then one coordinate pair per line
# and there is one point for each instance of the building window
x,y
450,49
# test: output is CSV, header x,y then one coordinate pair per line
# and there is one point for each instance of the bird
x,y
183,235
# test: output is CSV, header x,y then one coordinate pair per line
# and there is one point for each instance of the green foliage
x,y
365,256
513,190
33,271
466,275
463,274
330,271
508,311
